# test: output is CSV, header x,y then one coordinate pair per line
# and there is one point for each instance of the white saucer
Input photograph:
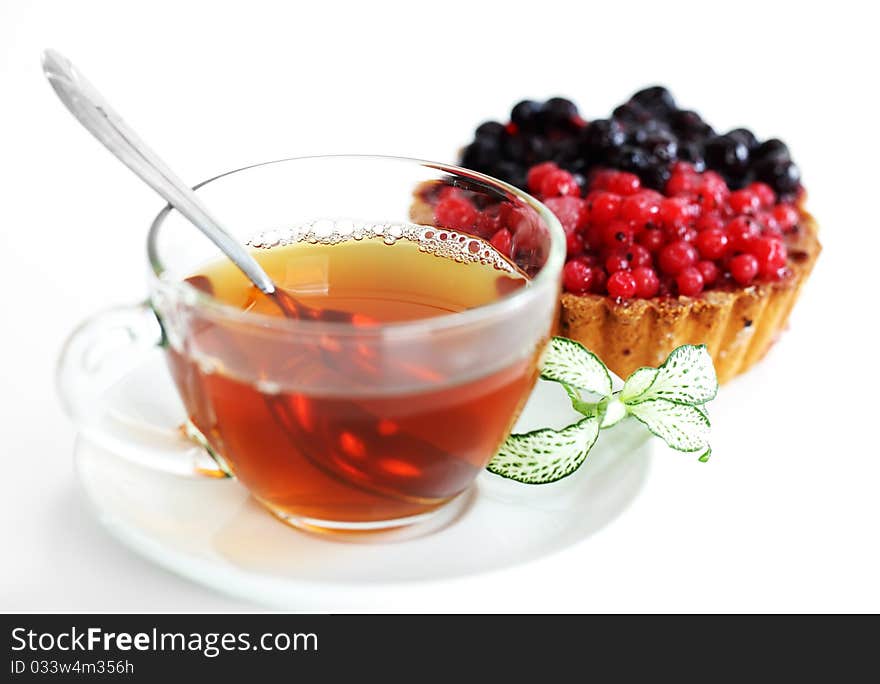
x,y
213,533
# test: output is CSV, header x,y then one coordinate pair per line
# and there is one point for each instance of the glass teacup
x,y
330,423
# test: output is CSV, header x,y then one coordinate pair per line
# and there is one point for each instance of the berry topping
x,y
654,202
645,137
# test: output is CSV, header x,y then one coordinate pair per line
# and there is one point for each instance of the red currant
x,y
617,235
621,284
577,276
574,244
537,173
742,231
744,202
676,257
712,243
675,212
569,211
771,255
622,183
647,282
456,212
765,194
603,207
786,216
709,271
743,268
690,282
638,255
502,241
710,220
616,261
640,208
652,239
558,183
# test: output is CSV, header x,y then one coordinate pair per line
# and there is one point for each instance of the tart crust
x,y
739,326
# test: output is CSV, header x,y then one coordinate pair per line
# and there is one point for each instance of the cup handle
x,y
97,355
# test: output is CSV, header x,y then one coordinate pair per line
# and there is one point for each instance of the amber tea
x,y
403,438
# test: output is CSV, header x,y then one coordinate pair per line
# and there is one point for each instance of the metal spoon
x,y
98,117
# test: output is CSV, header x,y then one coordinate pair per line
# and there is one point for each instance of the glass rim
x,y
549,274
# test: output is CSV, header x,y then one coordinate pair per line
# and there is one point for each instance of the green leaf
x,y
571,363
704,457
637,383
615,411
682,427
686,377
545,455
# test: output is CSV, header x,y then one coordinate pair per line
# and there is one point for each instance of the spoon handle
x,y
92,110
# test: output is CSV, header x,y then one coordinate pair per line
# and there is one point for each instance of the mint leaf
x,y
572,364
686,377
546,455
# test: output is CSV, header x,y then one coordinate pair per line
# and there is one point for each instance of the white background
x,y
784,518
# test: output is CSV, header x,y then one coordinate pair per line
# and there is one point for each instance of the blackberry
x,y
727,155
602,135
781,175
629,158
510,172
558,112
631,114
745,136
693,153
656,99
773,148
526,115
656,177
480,154
690,125
491,130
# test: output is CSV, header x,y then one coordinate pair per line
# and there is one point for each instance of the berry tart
x,y
676,234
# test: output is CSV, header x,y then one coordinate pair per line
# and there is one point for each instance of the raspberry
x,y
676,257
712,243
456,212
536,175
558,183
502,241
603,207
647,282
621,284
743,268
689,282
